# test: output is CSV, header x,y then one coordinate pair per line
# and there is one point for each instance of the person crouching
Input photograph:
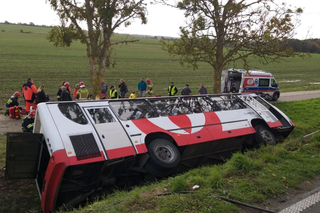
x,y
28,121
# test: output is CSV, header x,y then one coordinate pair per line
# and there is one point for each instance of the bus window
x,y
133,109
170,106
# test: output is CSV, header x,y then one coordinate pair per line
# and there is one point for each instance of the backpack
x,y
14,112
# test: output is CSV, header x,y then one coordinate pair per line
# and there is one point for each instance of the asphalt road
x,y
299,95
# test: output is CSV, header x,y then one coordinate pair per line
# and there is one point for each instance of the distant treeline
x,y
26,24
305,46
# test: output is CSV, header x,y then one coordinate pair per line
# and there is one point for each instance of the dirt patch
x,y
10,125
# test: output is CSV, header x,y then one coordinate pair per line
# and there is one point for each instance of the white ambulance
x,y
259,82
79,147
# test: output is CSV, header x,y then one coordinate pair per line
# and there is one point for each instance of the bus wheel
x,y
264,135
163,153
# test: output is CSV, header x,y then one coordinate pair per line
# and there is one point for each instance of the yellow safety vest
x,y
172,90
113,94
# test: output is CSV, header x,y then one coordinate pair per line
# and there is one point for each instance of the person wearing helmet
x,y
113,93
65,84
149,87
12,101
29,91
27,123
83,93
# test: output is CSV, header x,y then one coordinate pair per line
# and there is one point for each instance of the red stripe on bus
x,y
141,148
182,121
56,167
274,124
120,152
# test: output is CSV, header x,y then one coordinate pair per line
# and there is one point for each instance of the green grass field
x,y
24,55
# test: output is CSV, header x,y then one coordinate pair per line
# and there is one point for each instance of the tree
x,y
102,18
220,32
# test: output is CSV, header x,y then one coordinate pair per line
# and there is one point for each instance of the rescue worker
x,y
133,95
142,86
149,87
233,88
65,95
29,91
76,89
113,93
186,90
82,93
172,89
27,123
12,101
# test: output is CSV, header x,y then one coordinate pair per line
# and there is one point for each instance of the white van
x,y
79,147
252,81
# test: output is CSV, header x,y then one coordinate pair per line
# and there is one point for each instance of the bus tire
x,y
264,135
163,153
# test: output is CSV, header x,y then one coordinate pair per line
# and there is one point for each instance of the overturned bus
x,y
79,147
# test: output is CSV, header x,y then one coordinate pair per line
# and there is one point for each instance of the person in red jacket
x,y
29,91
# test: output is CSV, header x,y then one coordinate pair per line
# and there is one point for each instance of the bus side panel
x,y
55,170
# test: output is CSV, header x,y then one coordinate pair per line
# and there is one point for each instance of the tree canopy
x,y
220,32
102,17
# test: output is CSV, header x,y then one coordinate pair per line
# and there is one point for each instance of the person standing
x,y
233,88
82,93
123,88
29,91
41,95
149,87
186,90
113,93
104,88
142,87
172,89
75,90
65,94
27,123
65,84
202,90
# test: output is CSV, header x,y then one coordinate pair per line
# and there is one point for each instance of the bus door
x,y
112,135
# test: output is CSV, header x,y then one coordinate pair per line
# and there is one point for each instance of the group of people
x,y
34,96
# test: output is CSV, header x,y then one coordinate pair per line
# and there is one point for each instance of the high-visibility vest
x,y
113,94
172,89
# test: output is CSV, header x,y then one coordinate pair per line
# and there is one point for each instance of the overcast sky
x,y
162,20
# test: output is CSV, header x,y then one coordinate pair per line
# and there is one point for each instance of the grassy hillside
x,y
24,55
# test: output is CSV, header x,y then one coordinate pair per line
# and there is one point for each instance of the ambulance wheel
x,y
163,153
275,96
264,135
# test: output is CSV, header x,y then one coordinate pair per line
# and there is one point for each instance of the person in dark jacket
x,y
104,88
233,88
27,123
65,94
186,90
66,84
12,101
123,88
202,90
41,96
172,89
